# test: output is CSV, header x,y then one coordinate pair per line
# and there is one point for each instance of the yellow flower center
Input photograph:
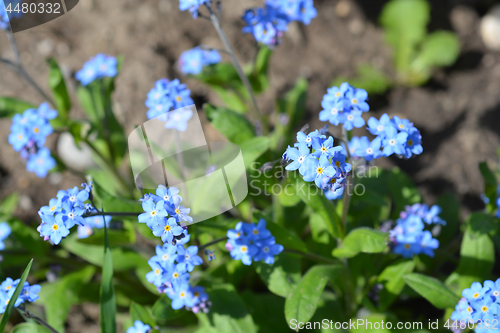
x,y
323,149
178,98
255,232
484,308
401,126
244,249
319,170
476,295
196,294
8,287
157,271
177,211
354,101
469,309
55,227
36,130
182,294
407,246
238,234
410,142
167,228
337,94
175,275
153,213
53,208
337,163
20,136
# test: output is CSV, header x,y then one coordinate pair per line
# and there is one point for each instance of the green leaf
x,y
405,24
362,240
234,126
162,309
490,185
282,276
29,238
309,193
59,90
302,302
13,299
432,290
369,78
392,278
59,296
11,106
123,259
138,312
402,190
283,236
253,148
225,81
115,203
9,205
293,107
29,328
228,313
107,293
258,76
374,323
477,257
440,48
451,207
261,305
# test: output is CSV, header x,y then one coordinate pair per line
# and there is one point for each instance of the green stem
x,y
312,256
17,65
347,195
201,247
39,320
223,37
99,213
308,255
109,164
107,111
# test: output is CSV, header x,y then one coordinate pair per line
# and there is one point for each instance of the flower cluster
x,y
170,95
4,233
7,289
479,305
139,327
163,214
193,5
344,105
396,135
318,160
64,212
249,242
4,17
97,67
28,134
170,274
296,10
266,24
408,237
192,61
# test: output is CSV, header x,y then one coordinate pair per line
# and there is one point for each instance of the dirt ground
x,y
458,111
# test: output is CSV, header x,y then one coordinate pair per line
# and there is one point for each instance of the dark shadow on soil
x,y
491,119
468,60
